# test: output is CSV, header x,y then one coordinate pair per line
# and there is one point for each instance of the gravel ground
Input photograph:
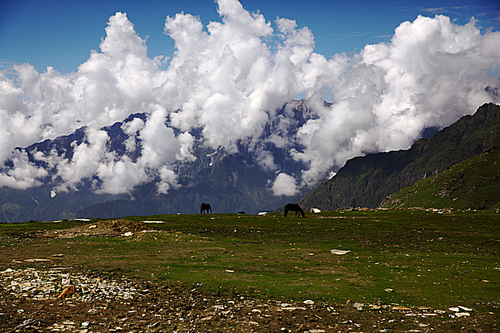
x,y
56,300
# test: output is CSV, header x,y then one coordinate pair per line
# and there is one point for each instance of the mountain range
x,y
234,182
231,182
366,181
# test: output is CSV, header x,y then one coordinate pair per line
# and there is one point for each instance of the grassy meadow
x,y
405,257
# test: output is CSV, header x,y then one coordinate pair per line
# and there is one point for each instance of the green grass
x,y
473,183
427,259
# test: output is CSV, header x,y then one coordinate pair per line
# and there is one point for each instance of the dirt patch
x,y
111,228
31,301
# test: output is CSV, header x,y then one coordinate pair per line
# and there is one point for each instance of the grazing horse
x,y
205,207
294,208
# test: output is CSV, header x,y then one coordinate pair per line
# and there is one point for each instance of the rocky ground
x,y
48,297
42,300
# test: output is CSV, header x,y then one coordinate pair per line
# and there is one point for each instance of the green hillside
x,y
366,181
474,183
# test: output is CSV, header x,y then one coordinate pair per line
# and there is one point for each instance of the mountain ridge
x,y
471,184
234,182
366,181
230,181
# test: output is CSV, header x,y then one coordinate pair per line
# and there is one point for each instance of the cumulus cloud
x,y
284,184
228,79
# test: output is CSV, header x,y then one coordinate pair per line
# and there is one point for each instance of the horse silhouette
x,y
294,208
205,207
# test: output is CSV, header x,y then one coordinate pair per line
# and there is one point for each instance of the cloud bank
x,y
227,79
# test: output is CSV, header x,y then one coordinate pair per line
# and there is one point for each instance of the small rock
x,y
358,306
464,308
401,308
340,252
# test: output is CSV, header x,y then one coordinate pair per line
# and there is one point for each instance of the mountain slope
x,y
230,182
366,181
474,183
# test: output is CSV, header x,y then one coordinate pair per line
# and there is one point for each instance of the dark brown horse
x,y
294,208
205,207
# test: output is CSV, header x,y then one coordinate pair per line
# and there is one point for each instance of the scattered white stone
x,y
128,234
315,210
464,308
389,290
39,285
462,314
292,308
454,309
157,222
37,260
309,302
340,252
92,226
262,214
358,306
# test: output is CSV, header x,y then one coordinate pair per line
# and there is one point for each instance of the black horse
x,y
205,207
294,208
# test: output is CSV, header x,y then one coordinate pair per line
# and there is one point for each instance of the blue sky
x,y
62,33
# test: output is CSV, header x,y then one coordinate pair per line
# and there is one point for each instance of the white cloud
x,y
430,74
284,184
228,78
